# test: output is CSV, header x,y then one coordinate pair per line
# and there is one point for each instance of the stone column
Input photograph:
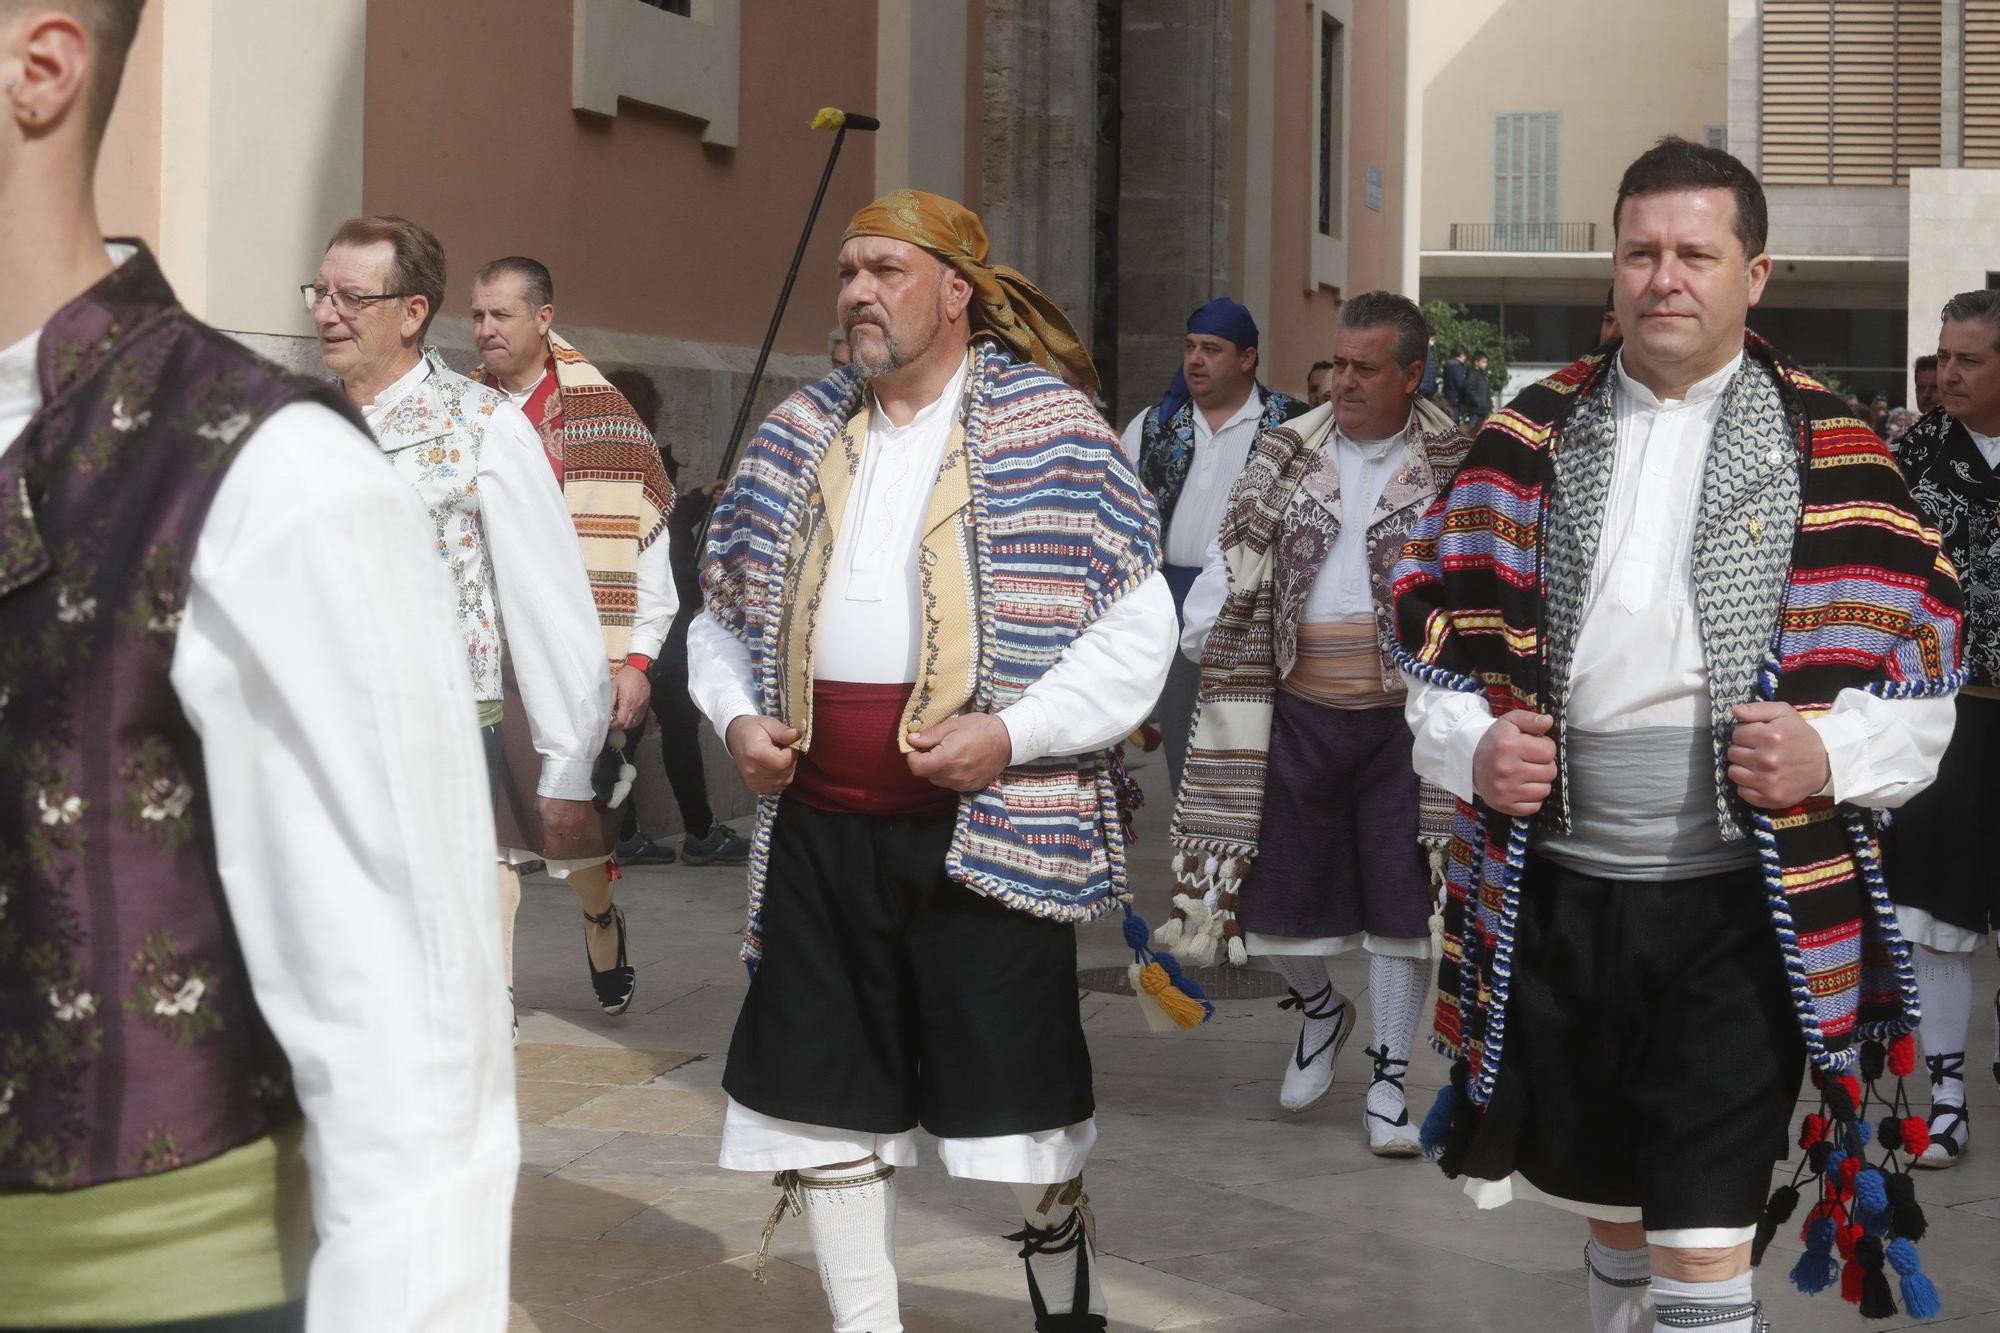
x,y
1040,144
1174,217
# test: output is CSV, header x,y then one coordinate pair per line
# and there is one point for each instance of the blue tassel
x,y
1189,986
1865,1130
1436,1128
1920,1297
1137,932
1871,1192
1834,1160
1919,1293
1817,1269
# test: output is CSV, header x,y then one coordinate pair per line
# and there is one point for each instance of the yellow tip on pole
x,y
829,118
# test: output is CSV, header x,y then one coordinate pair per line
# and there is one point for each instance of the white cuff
x,y
1027,725
1845,737
564,780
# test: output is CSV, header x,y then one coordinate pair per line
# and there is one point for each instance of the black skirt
x,y
1936,852
890,995
1651,1055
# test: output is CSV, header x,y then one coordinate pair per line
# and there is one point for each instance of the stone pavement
x,y
1216,1213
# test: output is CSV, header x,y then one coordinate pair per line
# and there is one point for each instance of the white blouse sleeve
x,y
320,664
546,607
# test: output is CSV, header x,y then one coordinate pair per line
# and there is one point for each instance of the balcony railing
x,y
1551,236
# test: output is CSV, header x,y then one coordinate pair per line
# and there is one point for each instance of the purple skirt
x,y
1338,853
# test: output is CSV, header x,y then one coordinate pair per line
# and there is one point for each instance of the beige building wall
x,y
1954,243
1621,72
234,164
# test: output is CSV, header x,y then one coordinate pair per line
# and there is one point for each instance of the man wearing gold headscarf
x,y
933,604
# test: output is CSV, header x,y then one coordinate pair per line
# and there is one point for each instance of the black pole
x,y
784,295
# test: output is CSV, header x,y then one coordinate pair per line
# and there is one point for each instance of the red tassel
x,y
1849,1169
1851,1278
1845,1238
1853,1086
1916,1135
1903,1056
1812,1130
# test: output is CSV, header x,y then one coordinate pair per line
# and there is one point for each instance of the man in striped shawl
x,y
933,603
619,498
1674,632
1299,811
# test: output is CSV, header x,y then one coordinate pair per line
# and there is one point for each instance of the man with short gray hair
x,y
1314,848
1937,855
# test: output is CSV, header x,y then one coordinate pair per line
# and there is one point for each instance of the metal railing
x,y
1550,236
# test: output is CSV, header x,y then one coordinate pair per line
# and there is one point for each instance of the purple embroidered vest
x,y
130,1042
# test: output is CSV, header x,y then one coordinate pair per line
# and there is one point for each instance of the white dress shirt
x,y
1103,685
1638,660
546,609
1988,446
1219,456
1341,591
319,664
659,599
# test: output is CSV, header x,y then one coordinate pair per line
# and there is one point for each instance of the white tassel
x,y
1238,955
627,775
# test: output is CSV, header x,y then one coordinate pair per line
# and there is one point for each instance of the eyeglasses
x,y
344,303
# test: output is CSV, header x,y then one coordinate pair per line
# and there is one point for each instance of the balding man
x,y
933,603
619,497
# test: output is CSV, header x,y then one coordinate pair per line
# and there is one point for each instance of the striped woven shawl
x,y
1868,603
619,496
1060,530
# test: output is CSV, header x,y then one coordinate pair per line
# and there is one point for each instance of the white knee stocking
x,y
510,906
1944,985
1398,988
1713,1307
1621,1298
851,1212
1055,1241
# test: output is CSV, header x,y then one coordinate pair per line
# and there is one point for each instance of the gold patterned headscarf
x,y
1005,305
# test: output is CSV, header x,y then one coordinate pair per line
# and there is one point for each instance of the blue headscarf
x,y
1223,318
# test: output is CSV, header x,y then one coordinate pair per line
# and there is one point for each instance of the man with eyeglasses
x,y
619,498
252,1075
498,520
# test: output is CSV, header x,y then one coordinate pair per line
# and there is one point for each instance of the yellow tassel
x,y
1185,1012
829,118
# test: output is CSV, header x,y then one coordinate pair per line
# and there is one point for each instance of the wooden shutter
x,y
1851,90
1982,83
1527,180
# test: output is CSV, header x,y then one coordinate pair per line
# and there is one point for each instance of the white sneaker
x,y
1386,1112
1329,1022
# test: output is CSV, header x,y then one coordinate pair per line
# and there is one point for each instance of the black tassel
x,y
1904,1214
1816,1157
1784,1201
1876,1301
1890,1133
1873,1060
1839,1105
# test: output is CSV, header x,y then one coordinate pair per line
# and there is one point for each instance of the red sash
x,y
543,409
854,766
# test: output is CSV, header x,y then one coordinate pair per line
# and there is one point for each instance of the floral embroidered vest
x,y
130,1041
432,438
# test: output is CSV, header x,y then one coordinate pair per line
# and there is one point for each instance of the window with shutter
x,y
1527,180
1851,90
1981,92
